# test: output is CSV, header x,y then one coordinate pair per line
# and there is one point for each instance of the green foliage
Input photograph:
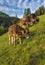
x,y
30,52
37,12
27,11
40,11
3,14
6,21
2,30
14,19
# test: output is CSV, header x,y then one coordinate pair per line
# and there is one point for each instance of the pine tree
x,y
27,12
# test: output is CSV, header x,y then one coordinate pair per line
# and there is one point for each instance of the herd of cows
x,y
22,29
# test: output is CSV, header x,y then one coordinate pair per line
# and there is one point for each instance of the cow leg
x,y
20,40
9,40
12,40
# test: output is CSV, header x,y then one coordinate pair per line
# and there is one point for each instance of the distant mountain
x,y
3,14
6,21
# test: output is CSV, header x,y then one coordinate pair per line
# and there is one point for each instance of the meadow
x,y
30,52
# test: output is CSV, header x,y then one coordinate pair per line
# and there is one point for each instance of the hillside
x,y
3,14
30,52
6,21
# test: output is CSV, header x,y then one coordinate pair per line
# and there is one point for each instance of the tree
x,y
27,11
40,11
37,12
44,10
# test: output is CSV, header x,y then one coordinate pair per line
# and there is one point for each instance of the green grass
x,y
30,52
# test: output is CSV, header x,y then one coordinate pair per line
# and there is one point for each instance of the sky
x,y
16,7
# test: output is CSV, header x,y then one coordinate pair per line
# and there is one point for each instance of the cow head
x,y
24,23
25,33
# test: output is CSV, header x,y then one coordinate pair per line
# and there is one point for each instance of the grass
x,y
30,52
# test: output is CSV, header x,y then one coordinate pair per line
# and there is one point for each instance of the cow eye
x,y
24,23
24,31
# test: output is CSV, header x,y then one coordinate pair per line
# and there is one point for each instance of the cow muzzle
x,y
27,37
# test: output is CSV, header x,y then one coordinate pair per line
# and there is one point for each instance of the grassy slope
x,y
30,52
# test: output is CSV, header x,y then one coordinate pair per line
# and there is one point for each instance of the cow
x,y
28,20
32,18
17,31
24,23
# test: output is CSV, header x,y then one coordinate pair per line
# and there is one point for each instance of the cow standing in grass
x,y
30,19
17,31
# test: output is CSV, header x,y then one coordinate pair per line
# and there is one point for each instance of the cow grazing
x,y
17,31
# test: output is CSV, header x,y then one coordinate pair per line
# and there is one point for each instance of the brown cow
x,y
24,23
28,20
32,18
17,31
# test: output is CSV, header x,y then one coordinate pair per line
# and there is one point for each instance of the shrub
x,y
2,30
